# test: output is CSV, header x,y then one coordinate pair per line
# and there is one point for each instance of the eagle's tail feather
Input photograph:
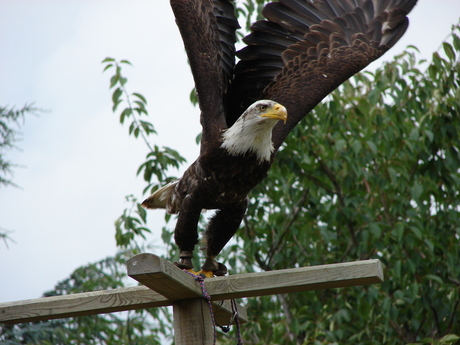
x,y
159,198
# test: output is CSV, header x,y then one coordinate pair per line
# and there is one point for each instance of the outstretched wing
x,y
208,30
305,49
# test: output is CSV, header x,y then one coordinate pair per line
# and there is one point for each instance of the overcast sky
x,y
78,162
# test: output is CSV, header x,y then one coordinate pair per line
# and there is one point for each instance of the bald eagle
x,y
296,56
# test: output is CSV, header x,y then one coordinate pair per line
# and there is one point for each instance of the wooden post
x,y
192,322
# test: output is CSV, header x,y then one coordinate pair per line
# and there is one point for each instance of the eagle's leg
x,y
185,260
186,232
220,230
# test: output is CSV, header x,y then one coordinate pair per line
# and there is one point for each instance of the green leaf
x,y
107,67
397,270
449,51
416,191
417,232
141,97
414,134
430,245
434,277
115,105
198,138
140,104
108,59
194,97
372,146
430,135
456,42
374,228
357,146
449,338
393,174
433,71
340,145
127,112
398,232
116,97
114,80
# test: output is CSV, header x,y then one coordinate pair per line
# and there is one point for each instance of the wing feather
x,y
320,44
208,31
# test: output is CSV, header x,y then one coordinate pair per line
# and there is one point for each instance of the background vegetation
x,y
372,172
11,120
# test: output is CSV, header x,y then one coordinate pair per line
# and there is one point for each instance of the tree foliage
x,y
10,123
158,161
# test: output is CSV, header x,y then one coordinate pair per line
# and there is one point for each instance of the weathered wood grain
x,y
79,304
296,280
192,322
320,277
163,277
223,312
99,302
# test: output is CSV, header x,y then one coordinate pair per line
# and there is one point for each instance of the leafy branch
x,y
158,160
9,136
11,120
135,108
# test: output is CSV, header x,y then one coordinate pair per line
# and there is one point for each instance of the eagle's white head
x,y
252,132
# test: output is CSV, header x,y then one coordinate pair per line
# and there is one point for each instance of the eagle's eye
x,y
262,107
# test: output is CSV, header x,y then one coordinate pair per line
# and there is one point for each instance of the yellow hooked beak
x,y
276,112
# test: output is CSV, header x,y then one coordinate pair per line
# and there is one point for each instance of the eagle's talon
x,y
221,271
206,274
217,268
182,266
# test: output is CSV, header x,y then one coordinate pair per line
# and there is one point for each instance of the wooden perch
x,y
96,302
171,286
80,304
163,277
192,323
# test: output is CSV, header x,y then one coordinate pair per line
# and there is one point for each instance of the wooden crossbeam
x,y
297,279
97,302
80,304
160,275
